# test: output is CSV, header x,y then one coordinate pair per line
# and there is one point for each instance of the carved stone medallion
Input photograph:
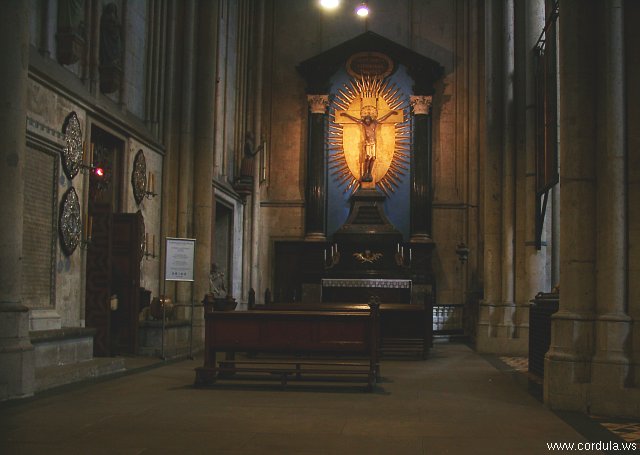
x,y
142,236
70,222
72,150
139,177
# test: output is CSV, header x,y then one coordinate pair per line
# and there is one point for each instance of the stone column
x,y
567,364
490,313
529,262
203,201
16,351
421,219
632,64
315,191
534,260
611,361
185,176
256,95
509,321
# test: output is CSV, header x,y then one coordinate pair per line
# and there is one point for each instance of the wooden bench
x,y
406,330
298,335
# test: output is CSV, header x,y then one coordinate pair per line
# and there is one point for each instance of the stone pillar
x,y
421,197
632,51
490,313
567,364
203,200
256,95
529,262
185,176
315,194
611,361
16,351
554,251
509,322
534,260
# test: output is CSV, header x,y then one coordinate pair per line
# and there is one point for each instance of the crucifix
x,y
369,122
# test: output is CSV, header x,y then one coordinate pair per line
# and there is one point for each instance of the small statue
x,y
250,151
217,282
110,53
110,37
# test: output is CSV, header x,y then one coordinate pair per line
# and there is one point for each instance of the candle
x,y
398,245
153,246
153,182
409,254
402,252
336,247
325,255
86,228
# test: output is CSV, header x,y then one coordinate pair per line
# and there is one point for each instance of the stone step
x,y
62,346
58,375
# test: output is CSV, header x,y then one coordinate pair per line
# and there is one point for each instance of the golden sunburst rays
x,y
338,166
370,88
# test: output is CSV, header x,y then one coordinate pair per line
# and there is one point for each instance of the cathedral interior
x,y
428,185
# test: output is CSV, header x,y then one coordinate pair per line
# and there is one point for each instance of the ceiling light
x,y
329,4
362,10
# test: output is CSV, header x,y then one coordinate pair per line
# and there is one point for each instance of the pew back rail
x,y
335,334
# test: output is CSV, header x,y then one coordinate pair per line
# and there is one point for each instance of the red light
x,y
99,172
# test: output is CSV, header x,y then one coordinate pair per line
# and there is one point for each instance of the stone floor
x,y
456,402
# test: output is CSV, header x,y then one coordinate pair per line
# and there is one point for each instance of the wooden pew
x,y
335,334
406,330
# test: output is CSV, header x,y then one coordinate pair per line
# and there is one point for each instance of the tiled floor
x,y
455,402
517,363
625,429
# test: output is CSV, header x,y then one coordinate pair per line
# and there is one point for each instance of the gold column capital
x,y
421,104
318,103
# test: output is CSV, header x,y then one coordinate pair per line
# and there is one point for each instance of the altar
x,y
363,290
368,183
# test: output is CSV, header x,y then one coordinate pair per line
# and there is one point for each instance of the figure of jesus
x,y
369,124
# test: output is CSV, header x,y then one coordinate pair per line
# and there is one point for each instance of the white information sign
x,y
180,259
